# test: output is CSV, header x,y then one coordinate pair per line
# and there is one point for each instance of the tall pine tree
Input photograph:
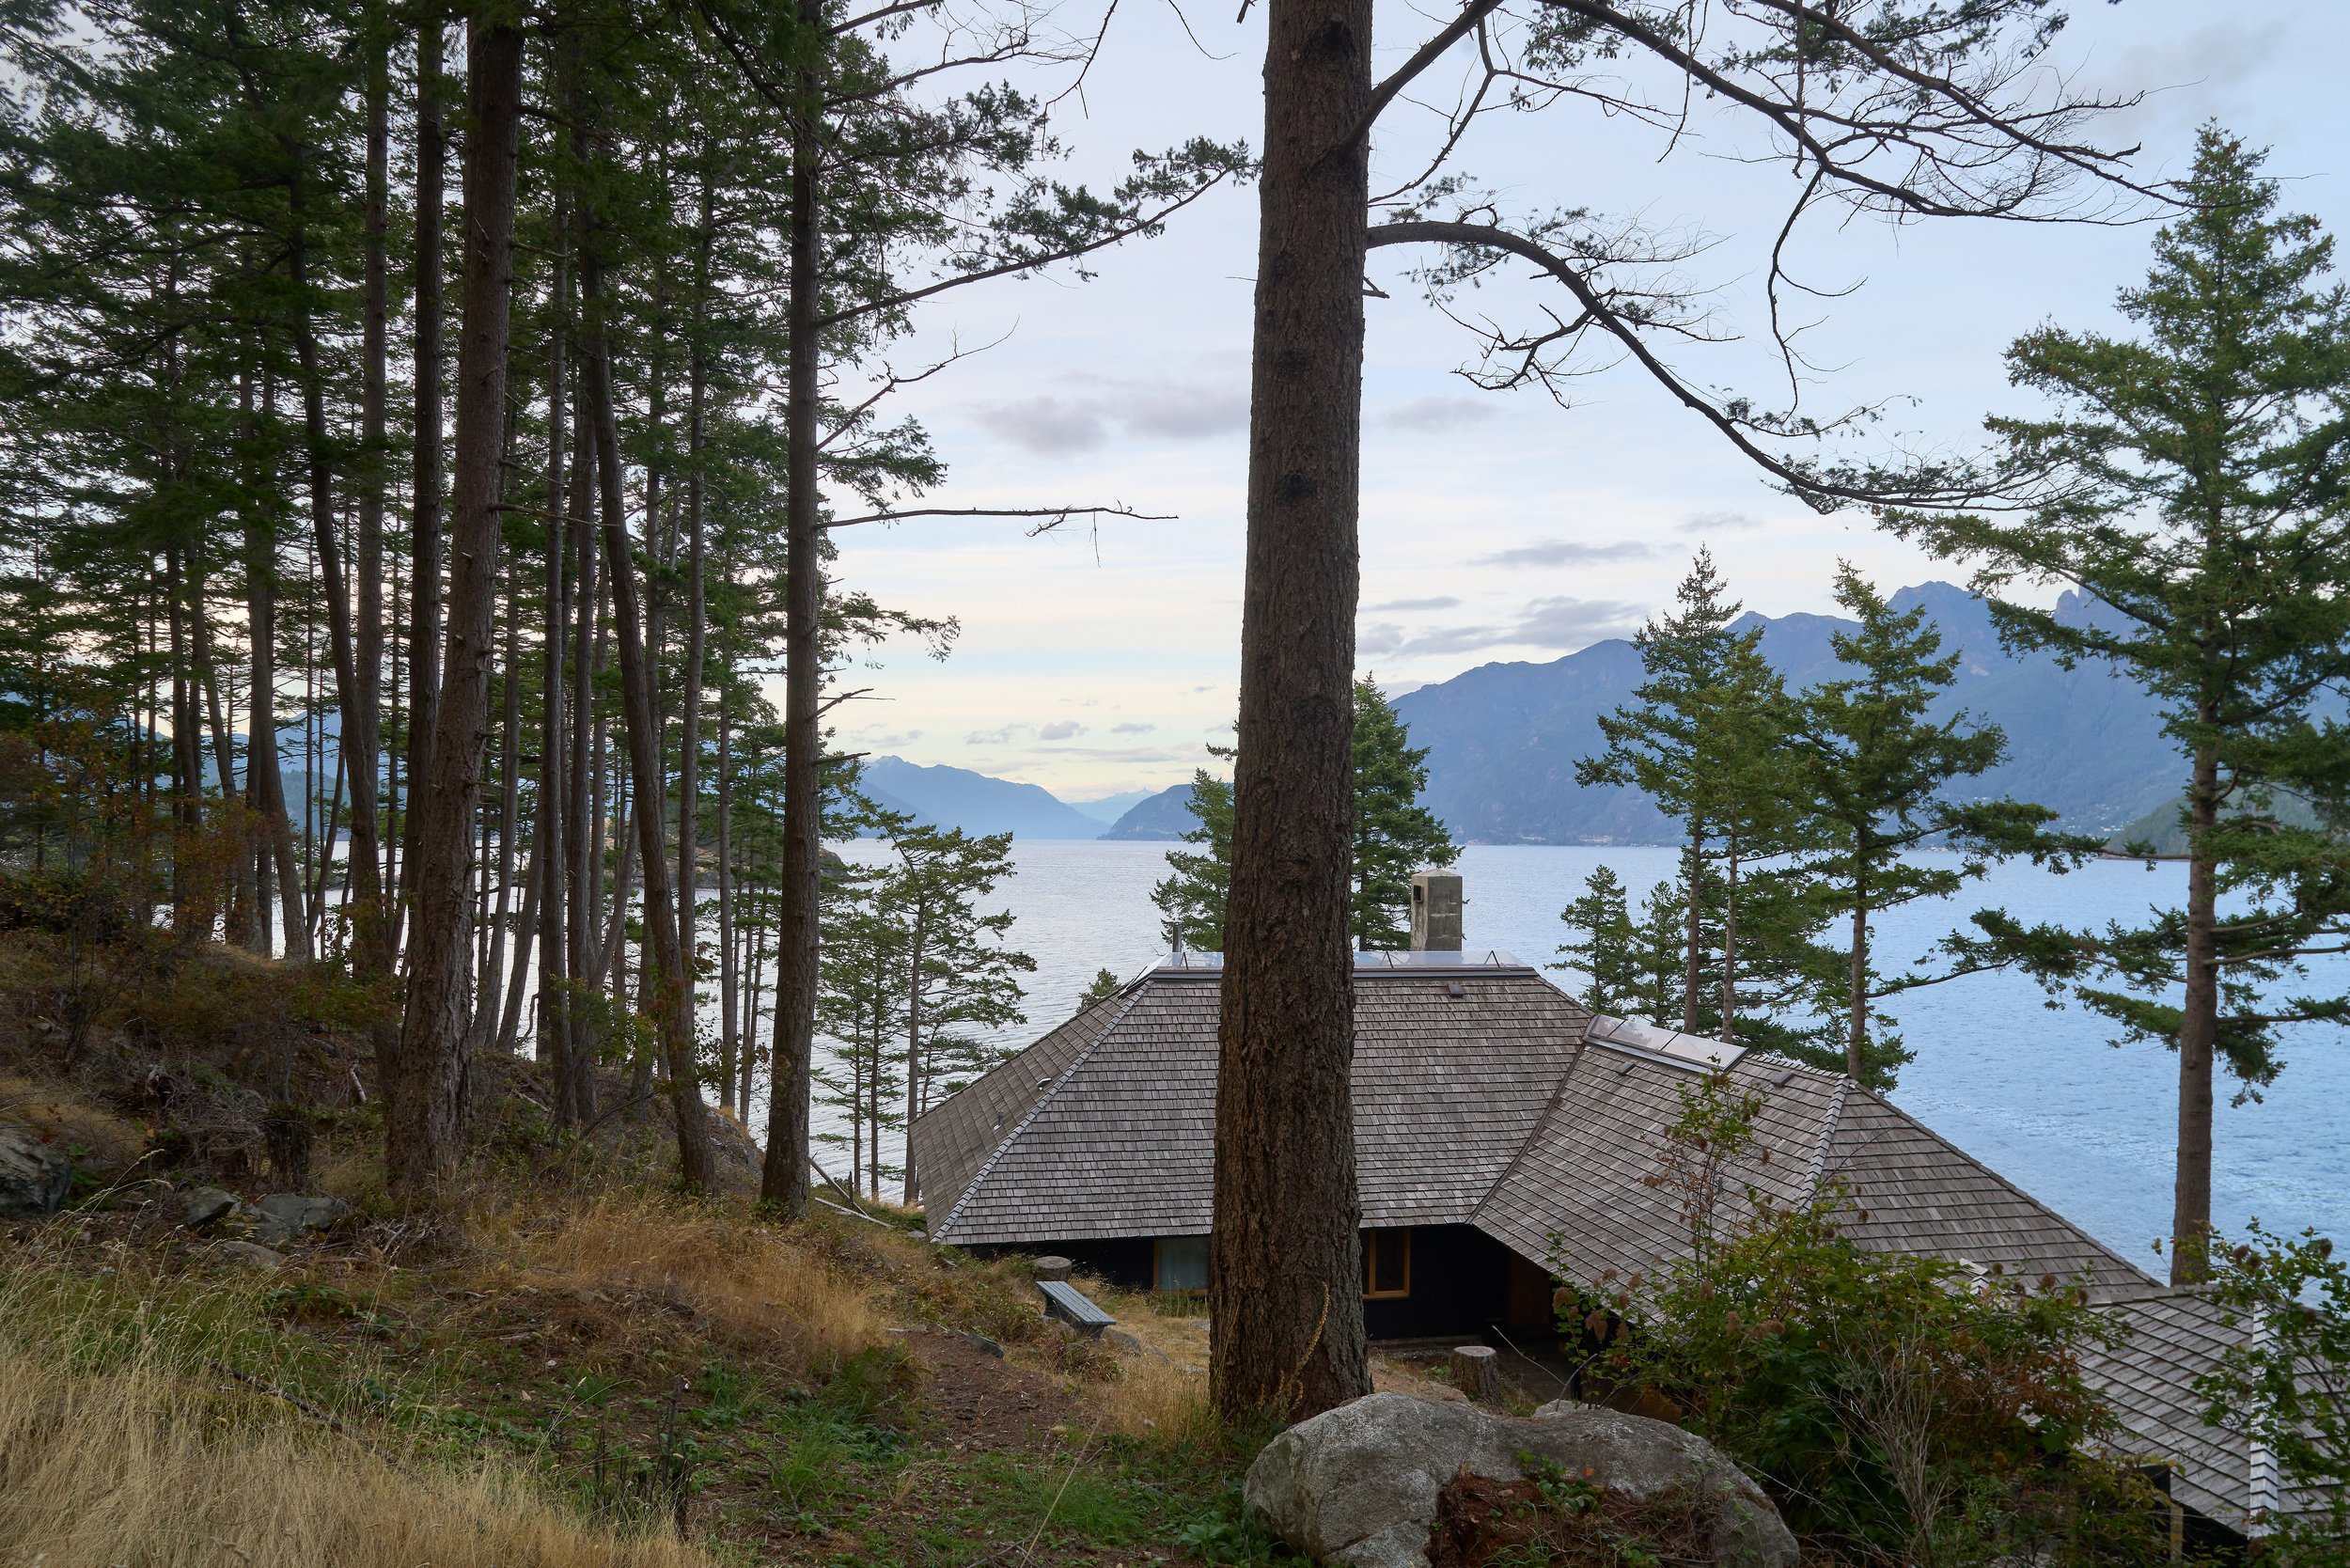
x,y
2189,478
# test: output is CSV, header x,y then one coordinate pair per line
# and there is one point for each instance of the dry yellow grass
x,y
117,1448
752,1281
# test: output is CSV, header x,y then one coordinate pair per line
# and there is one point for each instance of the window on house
x,y
1387,1263
1179,1263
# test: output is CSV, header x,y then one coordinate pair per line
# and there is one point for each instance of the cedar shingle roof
x,y
1503,1107
1445,1092
1510,1108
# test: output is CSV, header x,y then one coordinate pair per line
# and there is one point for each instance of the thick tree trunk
x,y
424,557
421,1096
1284,1285
2198,1029
672,989
783,1183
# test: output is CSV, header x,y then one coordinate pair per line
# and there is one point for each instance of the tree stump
x,y
1050,1267
1477,1372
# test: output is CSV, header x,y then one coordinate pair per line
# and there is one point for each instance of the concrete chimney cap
x,y
1437,907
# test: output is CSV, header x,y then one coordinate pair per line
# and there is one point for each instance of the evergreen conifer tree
x,y
1394,833
1394,836
1875,773
2188,480
1704,740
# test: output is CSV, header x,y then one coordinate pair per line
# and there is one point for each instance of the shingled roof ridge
x,y
978,1177
1534,1133
1817,1170
1895,1111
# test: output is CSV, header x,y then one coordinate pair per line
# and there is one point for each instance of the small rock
x,y
286,1217
208,1206
304,1213
1125,1344
981,1341
251,1255
1358,1484
33,1178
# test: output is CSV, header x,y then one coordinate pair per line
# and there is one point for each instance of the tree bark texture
x,y
424,551
671,987
783,1181
2198,1031
421,1092
1285,1269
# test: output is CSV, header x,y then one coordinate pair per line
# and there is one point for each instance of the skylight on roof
x,y
1641,1034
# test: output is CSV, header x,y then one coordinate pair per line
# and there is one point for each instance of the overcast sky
x,y
1496,528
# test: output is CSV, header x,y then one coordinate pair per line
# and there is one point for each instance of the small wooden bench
x,y
1064,1301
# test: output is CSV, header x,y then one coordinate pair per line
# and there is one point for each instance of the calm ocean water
x,y
2038,1095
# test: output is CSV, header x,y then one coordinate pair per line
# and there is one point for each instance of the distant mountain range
x,y
1164,816
1109,809
1503,740
957,797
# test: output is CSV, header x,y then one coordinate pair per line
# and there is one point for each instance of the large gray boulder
x,y
1357,1485
33,1178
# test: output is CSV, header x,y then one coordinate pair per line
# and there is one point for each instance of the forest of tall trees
x,y
399,566
423,430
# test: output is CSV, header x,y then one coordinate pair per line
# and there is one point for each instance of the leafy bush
x,y
1899,1408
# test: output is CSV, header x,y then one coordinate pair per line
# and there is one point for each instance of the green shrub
x,y
1899,1408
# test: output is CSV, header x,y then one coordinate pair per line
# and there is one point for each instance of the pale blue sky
x,y
1494,528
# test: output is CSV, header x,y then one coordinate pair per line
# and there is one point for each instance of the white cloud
x,y
1061,730
1561,624
1721,522
1046,426
1564,552
1434,415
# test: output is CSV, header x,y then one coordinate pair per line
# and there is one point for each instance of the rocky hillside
x,y
559,1364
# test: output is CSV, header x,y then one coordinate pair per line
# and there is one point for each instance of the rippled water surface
x,y
2038,1096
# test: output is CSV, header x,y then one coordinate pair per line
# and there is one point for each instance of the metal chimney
x,y
1437,912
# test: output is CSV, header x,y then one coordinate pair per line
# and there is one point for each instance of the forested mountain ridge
x,y
1504,739
957,797
1165,815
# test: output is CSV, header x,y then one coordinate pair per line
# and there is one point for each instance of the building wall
x,y
1462,1282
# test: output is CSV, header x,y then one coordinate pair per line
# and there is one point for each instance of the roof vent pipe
x,y
1437,912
